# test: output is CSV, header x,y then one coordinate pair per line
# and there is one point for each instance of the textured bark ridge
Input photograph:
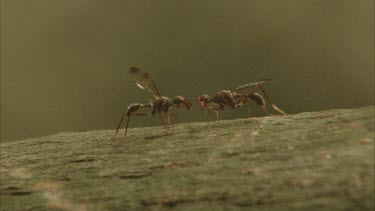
x,y
313,160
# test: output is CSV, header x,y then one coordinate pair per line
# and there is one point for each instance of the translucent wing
x,y
144,81
249,86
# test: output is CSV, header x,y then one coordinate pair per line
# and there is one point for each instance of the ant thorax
x,y
161,104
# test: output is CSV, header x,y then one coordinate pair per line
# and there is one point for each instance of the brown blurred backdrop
x,y
64,63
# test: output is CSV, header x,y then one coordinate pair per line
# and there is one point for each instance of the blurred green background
x,y
64,63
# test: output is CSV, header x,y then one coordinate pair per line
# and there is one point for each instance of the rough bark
x,y
313,160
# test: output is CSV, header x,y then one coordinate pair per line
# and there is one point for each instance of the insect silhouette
x,y
162,106
237,98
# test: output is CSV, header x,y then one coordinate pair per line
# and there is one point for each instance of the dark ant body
x,y
236,98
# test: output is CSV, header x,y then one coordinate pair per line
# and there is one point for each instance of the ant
x,y
236,98
160,104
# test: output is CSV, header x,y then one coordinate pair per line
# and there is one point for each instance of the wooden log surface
x,y
313,160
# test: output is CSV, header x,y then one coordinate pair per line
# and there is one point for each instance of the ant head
x,y
202,100
179,99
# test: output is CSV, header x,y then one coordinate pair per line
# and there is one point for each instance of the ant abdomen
x,y
257,98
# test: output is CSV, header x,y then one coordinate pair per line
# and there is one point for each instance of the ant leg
x,y
269,100
214,107
217,116
127,122
259,100
175,120
171,113
266,111
209,117
118,127
247,99
168,118
164,123
248,108
126,128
